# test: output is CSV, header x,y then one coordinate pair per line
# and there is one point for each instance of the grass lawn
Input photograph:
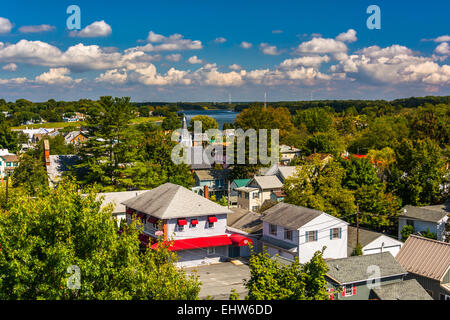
x,y
52,125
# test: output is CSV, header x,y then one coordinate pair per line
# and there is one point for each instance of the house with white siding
x,y
195,225
431,218
292,231
372,242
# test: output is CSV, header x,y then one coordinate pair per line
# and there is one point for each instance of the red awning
x,y
212,219
194,221
240,240
196,243
152,220
182,222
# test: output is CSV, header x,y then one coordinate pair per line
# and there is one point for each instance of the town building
x,y
8,163
373,276
75,137
288,153
427,261
431,218
194,226
372,242
292,231
259,190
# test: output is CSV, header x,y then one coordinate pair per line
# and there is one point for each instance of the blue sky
x,y
195,50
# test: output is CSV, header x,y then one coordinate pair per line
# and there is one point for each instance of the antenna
x,y
229,98
265,99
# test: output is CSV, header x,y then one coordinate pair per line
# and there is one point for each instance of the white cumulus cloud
x,y
5,25
94,30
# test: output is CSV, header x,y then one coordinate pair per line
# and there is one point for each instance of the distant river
x,y
221,116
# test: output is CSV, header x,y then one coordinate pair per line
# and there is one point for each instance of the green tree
x,y
358,172
319,187
419,172
31,175
8,139
269,280
357,251
315,119
43,240
171,122
406,231
207,122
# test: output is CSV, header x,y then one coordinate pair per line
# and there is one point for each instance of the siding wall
x,y
201,230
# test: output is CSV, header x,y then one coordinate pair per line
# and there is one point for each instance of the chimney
x,y
206,192
47,152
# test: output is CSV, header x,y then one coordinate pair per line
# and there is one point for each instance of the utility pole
x,y
357,223
229,191
7,189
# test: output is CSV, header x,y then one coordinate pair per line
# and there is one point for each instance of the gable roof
x,y
60,164
241,182
212,174
173,201
402,290
422,213
354,269
289,216
116,198
10,158
268,182
287,171
365,238
244,220
425,257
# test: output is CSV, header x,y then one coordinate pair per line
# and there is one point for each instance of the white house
x,y
372,242
433,218
291,231
196,225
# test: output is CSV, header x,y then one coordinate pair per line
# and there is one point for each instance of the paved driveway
x,y
218,280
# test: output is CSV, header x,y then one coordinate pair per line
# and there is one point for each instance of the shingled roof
x,y
402,290
425,257
423,213
289,216
354,269
173,201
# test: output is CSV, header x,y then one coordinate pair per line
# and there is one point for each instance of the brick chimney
x,y
47,152
206,192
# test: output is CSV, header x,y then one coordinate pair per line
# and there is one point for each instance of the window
x,y
211,251
210,224
180,228
255,195
349,290
311,236
288,234
273,229
410,222
335,233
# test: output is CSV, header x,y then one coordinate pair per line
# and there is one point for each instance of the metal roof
x,y
425,257
173,201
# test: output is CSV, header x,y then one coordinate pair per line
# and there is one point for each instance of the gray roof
x,y
282,260
173,201
244,220
267,240
268,182
116,199
212,174
365,237
422,213
289,216
60,164
402,290
287,171
354,269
